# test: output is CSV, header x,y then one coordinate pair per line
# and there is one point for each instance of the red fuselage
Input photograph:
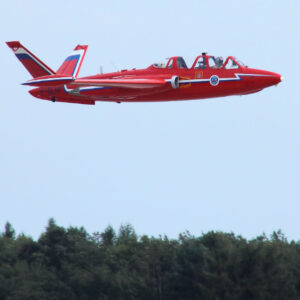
x,y
207,78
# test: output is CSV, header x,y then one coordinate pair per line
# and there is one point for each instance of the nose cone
x,y
260,79
35,92
267,78
272,78
277,78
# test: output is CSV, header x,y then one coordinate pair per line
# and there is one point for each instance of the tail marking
x,y
72,63
33,65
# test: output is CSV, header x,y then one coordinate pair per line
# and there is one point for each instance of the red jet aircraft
x,y
208,77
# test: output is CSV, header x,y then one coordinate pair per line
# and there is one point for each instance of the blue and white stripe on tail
x,y
72,64
34,65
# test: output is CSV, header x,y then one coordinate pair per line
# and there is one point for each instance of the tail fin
x,y
33,65
72,64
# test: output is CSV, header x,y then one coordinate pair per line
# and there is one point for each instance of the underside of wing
x,y
129,83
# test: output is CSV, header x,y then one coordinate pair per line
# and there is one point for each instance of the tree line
x,y
69,263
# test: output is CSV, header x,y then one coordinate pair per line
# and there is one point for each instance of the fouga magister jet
x,y
208,77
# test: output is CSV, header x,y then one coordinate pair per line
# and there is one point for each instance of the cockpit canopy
x,y
216,62
202,62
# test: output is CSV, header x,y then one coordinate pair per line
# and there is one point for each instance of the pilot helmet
x,y
219,61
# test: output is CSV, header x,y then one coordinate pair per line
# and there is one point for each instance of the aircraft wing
x,y
129,83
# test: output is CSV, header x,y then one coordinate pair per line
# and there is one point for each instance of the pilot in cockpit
x,y
219,61
201,63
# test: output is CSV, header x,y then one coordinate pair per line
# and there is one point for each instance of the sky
x,y
227,164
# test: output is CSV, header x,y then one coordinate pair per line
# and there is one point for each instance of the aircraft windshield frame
x,y
239,62
235,63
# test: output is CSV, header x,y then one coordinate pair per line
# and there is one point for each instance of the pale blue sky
x,y
229,164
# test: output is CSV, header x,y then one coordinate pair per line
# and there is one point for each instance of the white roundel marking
x,y
214,80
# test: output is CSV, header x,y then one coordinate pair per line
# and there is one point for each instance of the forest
x,y
69,263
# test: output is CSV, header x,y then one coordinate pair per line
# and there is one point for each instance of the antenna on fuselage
x,y
114,65
101,70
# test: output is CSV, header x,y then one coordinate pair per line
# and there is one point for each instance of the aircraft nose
x,y
276,78
271,78
279,78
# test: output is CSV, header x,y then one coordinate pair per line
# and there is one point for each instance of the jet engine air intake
x,y
175,82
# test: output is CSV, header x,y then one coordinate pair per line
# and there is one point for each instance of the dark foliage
x,y
71,264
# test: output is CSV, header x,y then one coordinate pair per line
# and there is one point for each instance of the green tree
x,y
9,231
107,237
